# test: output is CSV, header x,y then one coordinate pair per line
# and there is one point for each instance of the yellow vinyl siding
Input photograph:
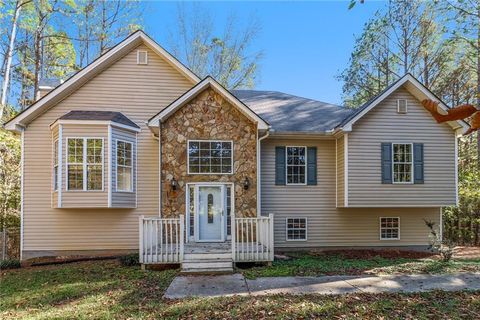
x,y
384,124
138,91
329,226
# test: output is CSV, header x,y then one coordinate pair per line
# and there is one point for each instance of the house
x,y
135,152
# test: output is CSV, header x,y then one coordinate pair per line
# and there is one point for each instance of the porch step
x,y
217,265
206,256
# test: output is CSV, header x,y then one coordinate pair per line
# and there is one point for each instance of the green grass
x,y
305,264
107,290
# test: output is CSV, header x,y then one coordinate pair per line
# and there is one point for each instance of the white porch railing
x,y
252,239
161,240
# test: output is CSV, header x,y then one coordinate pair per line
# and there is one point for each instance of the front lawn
x,y
359,262
106,290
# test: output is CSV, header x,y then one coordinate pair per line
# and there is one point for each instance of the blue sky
x,y
305,44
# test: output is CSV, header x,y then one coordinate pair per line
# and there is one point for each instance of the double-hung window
x,y
389,228
402,162
296,229
55,165
210,157
296,165
84,164
124,166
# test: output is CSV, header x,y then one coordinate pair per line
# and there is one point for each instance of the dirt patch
x,y
467,253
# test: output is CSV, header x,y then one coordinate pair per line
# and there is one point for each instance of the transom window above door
x,y
296,165
210,157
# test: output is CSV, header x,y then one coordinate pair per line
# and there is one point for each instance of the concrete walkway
x,y
236,284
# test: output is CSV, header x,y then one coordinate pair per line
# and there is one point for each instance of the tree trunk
x,y
8,58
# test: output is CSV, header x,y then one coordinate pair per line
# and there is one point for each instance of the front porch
x,y
164,241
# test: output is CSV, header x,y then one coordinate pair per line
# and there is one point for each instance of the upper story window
x,y
124,166
84,164
402,162
296,165
55,165
210,157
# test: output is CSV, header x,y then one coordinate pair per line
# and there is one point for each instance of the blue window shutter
x,y
386,162
311,166
418,168
280,166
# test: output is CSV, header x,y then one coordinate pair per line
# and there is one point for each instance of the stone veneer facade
x,y
208,117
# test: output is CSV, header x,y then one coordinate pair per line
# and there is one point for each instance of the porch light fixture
x,y
246,184
173,184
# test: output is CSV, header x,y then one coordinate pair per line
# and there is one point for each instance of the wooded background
x,y
437,42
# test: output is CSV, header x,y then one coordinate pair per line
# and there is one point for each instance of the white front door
x,y
210,213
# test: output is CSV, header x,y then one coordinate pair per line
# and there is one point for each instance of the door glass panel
x,y
210,208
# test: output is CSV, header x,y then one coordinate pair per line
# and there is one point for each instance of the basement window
x,y
296,229
389,228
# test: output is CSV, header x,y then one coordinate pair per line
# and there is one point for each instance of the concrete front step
x,y
218,265
206,256
206,271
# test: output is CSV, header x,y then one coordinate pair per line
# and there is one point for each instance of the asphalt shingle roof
x,y
289,113
117,117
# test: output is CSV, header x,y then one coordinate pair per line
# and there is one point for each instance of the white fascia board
x,y
207,82
91,70
422,90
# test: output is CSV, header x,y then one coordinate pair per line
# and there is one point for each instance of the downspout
x,y
22,160
259,177
159,168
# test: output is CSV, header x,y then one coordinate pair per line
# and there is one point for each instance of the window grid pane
x,y
124,166
85,157
296,164
210,157
402,163
389,228
296,229
55,165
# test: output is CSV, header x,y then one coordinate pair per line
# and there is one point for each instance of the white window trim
x,y
208,173
138,57
398,106
286,166
380,229
393,164
55,166
84,164
286,229
116,167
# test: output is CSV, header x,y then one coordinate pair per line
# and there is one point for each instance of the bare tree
x,y
227,57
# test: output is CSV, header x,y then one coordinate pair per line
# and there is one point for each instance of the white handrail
x,y
161,240
252,239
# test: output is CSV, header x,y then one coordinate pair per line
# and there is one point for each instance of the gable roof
x,y
290,113
113,116
415,87
208,82
93,69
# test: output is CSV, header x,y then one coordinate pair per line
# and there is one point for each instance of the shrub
x,y
444,247
9,264
129,260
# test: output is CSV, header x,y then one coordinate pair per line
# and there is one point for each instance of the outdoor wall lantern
x,y
246,184
173,184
